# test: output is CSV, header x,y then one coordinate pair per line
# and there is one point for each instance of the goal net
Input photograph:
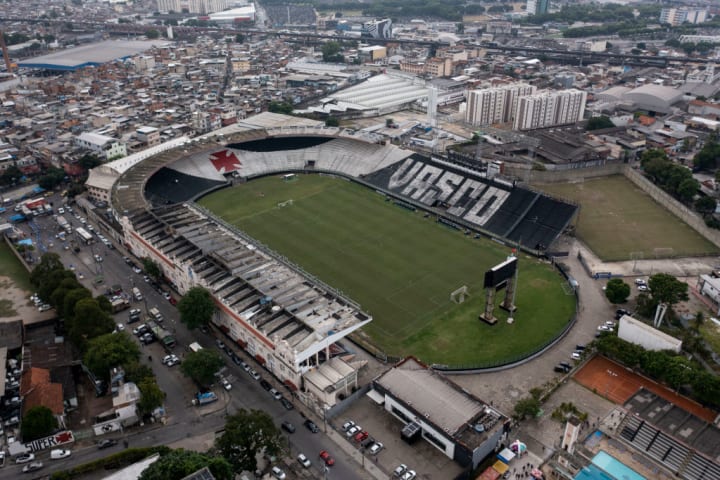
x,y
286,203
458,296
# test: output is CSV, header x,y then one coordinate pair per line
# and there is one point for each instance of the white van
x,y
137,294
155,313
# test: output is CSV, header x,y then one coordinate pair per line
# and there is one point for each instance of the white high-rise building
x,y
495,105
169,6
549,109
203,7
678,16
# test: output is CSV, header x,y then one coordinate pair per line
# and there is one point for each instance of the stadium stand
x,y
286,15
170,186
690,457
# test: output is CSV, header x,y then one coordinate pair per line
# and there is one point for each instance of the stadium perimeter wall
x,y
526,174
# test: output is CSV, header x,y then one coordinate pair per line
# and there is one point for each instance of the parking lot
x,y
426,460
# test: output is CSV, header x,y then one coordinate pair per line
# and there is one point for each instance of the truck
x,y
163,336
155,313
62,221
195,347
17,218
204,398
119,304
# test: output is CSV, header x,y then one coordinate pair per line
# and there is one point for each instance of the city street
x,y
184,420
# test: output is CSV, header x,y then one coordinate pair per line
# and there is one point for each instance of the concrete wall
x,y
634,331
528,175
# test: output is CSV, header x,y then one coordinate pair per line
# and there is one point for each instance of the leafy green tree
x,y
54,280
239,38
53,177
89,160
152,268
57,298
181,463
196,307
331,52
280,107
705,205
526,407
247,433
89,322
104,304
202,365
597,123
152,396
10,176
49,262
617,291
71,299
332,122
38,422
152,34
109,351
137,373
668,289
687,189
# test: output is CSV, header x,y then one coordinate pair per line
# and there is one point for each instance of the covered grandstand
x,y
90,55
378,95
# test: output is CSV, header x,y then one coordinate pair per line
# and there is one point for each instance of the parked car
x,y
409,475
367,442
286,403
171,360
376,447
304,461
327,458
353,430
98,258
288,427
236,360
278,473
106,443
310,425
360,436
275,394
348,425
265,384
399,470
220,344
576,355
226,384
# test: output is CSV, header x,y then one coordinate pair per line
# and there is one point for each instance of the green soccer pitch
x,y
400,267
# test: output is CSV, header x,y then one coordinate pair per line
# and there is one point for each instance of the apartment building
x,y
678,16
102,145
549,109
495,105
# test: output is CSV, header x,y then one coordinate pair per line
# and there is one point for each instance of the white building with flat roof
x,y
648,337
495,105
102,145
549,109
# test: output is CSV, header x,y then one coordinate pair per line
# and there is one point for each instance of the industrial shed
x,y
656,98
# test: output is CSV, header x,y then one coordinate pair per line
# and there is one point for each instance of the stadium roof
x,y
89,55
654,97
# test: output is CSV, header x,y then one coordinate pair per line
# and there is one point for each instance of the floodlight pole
x,y
517,270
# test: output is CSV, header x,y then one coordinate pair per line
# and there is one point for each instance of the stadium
x,y
334,204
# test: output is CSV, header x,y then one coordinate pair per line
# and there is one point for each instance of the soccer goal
x,y
458,296
664,252
286,203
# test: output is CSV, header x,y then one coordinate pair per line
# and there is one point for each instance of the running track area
x,y
614,382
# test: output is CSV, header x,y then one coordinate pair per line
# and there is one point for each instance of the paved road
x,y
184,420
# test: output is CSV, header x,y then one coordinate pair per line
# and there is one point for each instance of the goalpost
x,y
458,296
286,203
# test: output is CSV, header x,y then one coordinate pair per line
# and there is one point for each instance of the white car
x,y
44,307
575,355
304,461
25,458
399,470
254,374
348,425
375,448
59,453
643,288
98,258
120,327
277,473
353,430
275,394
409,475
137,269
226,384
61,210
640,281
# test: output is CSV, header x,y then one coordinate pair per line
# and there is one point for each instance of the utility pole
x,y
6,56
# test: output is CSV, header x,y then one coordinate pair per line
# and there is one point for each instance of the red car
x,y
329,461
360,436
172,301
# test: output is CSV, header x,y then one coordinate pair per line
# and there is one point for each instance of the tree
x,y
331,52
137,373
705,205
54,280
617,291
38,422
332,122
202,365
152,34
641,46
109,351
152,396
181,463
687,189
89,160
239,38
152,268
49,262
597,123
280,107
196,307
71,300
247,433
57,298
53,177
104,304
10,175
526,407
667,289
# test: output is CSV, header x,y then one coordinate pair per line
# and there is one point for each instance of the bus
x,y
84,235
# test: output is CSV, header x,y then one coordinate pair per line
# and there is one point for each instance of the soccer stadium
x,y
306,234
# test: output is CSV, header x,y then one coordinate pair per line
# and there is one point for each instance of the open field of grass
x,y
399,266
617,218
11,267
